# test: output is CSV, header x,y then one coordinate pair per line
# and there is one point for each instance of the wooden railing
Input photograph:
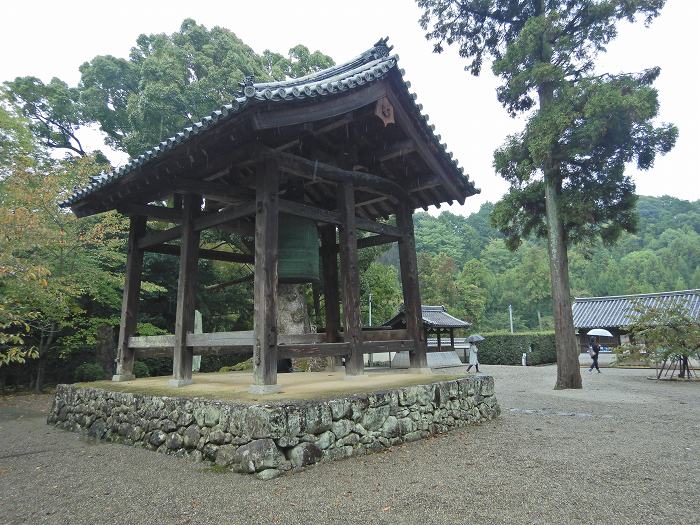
x,y
289,345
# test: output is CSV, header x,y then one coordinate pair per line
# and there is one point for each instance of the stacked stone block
x,y
270,439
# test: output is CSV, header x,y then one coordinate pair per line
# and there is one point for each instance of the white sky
x,y
48,39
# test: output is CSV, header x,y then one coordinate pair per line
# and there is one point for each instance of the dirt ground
x,y
622,450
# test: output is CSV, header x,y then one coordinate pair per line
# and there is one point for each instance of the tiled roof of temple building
x,y
369,67
433,317
618,311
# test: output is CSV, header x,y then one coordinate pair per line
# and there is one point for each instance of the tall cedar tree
x,y
566,168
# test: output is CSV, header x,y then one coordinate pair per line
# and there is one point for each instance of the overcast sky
x,y
48,39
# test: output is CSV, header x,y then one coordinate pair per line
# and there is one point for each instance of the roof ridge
x,y
691,291
379,51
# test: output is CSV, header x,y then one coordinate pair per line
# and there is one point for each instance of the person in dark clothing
x,y
595,350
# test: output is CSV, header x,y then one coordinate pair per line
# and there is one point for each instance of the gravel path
x,y
624,450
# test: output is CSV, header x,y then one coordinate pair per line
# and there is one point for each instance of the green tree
x,y
472,285
172,81
382,282
567,168
53,110
57,272
668,332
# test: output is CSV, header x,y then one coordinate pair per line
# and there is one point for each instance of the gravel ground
x,y
623,450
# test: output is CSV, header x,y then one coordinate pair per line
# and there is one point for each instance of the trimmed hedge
x,y
504,348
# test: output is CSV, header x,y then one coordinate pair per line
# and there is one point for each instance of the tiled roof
x,y
370,66
618,311
433,317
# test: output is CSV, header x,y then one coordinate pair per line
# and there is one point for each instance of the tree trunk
x,y
293,318
568,369
45,343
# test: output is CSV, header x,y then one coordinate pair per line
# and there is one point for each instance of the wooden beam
x,y
130,300
309,212
378,227
375,240
323,109
186,288
313,169
350,277
158,237
428,156
398,149
214,255
158,213
213,189
384,335
228,214
376,347
217,220
265,288
411,292
221,339
329,264
314,350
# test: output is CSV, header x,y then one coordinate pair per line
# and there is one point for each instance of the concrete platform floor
x,y
233,386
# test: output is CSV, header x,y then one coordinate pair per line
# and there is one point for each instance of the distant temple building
x,y
616,313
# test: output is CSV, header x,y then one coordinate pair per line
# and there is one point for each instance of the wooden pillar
x,y
186,292
329,263
130,300
452,338
350,277
411,292
265,288
439,340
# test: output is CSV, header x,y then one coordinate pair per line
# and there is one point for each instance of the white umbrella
x,y
600,331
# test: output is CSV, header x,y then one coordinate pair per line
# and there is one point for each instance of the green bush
x,y
504,348
141,369
89,372
163,366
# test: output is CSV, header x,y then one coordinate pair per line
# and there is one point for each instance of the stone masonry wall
x,y
269,439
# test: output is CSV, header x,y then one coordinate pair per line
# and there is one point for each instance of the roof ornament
x,y
248,87
381,48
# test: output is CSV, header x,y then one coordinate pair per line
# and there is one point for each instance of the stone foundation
x,y
269,439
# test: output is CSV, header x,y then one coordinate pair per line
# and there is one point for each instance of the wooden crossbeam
x,y
228,214
312,169
216,190
403,147
378,227
160,213
215,255
375,240
309,212
210,220
333,217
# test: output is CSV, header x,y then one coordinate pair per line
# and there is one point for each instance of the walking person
x,y
473,357
594,351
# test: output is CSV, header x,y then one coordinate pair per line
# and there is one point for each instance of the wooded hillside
x,y
465,265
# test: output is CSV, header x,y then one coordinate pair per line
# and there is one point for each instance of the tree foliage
x,y
667,332
61,278
566,169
